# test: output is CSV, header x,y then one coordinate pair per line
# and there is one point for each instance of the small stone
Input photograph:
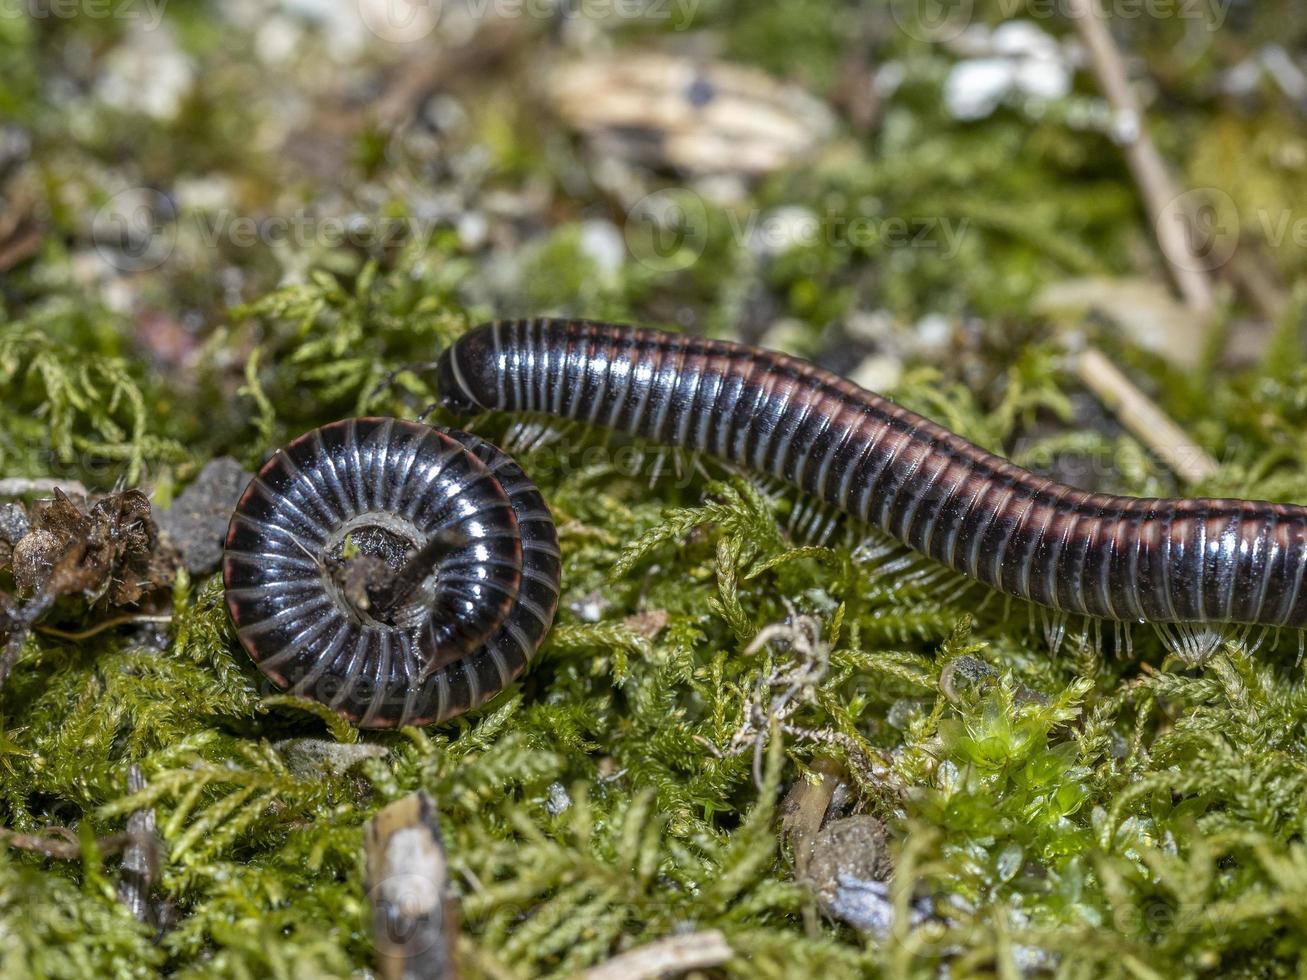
x,y
696,116
964,675
278,40
148,73
974,88
603,244
878,372
13,523
590,608
308,756
473,230
559,799
849,872
1024,39
782,229
196,523
1043,78
934,331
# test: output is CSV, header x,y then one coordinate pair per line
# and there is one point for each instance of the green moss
x,y
1079,814
1070,805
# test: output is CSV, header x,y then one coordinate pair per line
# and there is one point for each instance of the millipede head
x,y
467,374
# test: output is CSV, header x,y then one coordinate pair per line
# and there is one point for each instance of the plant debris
x,y
107,550
105,553
698,116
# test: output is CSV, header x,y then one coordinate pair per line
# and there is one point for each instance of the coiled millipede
x,y
1195,564
465,558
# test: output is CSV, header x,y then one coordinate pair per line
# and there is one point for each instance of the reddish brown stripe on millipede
x,y
1112,557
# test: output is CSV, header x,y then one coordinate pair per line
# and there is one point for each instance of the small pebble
x,y
147,73
964,675
590,608
849,872
196,523
603,244
13,523
559,800
782,229
306,756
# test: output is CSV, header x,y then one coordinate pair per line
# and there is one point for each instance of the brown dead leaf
x,y
109,550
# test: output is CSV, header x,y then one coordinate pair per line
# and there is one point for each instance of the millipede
x,y
464,567
1191,567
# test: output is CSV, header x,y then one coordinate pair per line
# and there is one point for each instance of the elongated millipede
x,y
464,574
1126,559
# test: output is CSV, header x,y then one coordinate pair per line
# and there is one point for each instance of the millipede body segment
x,y
447,516
1118,558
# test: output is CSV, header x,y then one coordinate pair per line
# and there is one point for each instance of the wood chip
x,y
414,921
697,115
677,954
802,813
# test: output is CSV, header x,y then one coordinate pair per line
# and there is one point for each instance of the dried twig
x,y
676,954
1155,184
100,627
792,687
65,846
1141,415
140,868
